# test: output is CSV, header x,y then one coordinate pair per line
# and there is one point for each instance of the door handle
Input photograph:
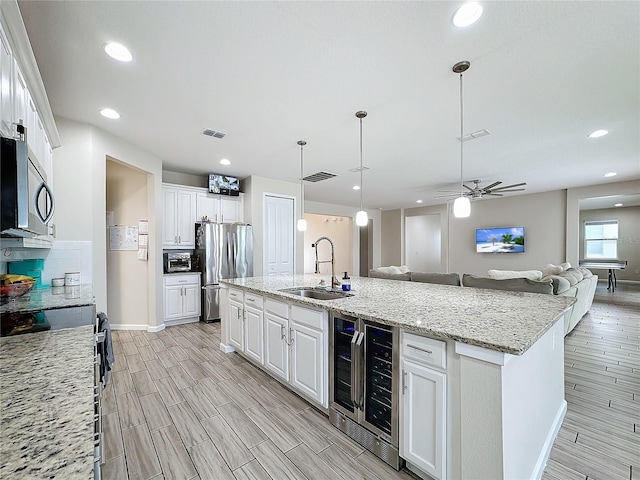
x,y
354,369
361,362
404,381
44,218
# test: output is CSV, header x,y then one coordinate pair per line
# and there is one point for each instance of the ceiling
x,y
598,203
543,76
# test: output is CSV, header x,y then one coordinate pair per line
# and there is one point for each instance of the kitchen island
x,y
46,391
504,351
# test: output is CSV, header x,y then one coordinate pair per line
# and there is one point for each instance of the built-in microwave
x,y
27,200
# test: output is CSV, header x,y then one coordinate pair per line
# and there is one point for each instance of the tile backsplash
x,y
69,256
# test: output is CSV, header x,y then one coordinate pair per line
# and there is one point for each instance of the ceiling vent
x,y
357,169
472,136
212,133
319,176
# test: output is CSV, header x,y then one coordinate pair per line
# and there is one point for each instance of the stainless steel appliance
x,y
225,251
177,262
363,385
27,201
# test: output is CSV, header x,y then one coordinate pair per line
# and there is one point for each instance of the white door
x,y
279,236
307,361
191,300
173,302
423,423
422,243
236,326
276,354
253,334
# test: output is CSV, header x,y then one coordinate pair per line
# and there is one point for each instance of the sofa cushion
x,y
506,274
440,278
560,284
576,272
565,266
389,276
393,269
551,269
586,273
513,284
571,276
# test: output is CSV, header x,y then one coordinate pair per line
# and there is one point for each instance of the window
x,y
601,239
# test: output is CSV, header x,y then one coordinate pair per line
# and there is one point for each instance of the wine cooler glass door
x,y
343,335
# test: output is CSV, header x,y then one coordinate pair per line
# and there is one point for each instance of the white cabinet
x,y
236,325
276,342
308,352
423,405
219,208
6,86
179,217
245,324
181,298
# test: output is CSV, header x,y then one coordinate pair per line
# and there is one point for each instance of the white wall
x,y
541,214
423,236
79,167
340,230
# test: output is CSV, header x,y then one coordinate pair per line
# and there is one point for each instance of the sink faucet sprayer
x,y
334,281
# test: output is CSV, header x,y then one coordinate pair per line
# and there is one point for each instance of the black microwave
x,y
27,200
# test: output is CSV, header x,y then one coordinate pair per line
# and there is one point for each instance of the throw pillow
x,y
572,277
506,274
389,276
576,272
551,269
513,284
439,278
560,284
565,266
586,273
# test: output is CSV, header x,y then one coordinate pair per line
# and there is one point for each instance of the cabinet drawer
x,y
424,350
277,308
173,280
253,300
310,318
235,294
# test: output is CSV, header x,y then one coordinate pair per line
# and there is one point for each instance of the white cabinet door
x,y
186,219
307,361
173,302
276,354
279,236
191,300
20,93
207,205
6,86
236,325
230,209
169,226
253,329
423,422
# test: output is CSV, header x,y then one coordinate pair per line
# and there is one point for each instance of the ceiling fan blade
x,y
448,191
510,186
468,188
495,194
448,195
489,187
509,191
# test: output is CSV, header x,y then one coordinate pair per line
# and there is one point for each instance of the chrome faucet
x,y
334,281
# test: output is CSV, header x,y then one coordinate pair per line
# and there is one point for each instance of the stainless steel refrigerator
x,y
224,251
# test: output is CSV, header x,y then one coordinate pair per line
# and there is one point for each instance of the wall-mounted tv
x,y
500,240
224,184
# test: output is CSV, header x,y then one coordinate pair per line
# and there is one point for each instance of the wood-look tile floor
x,y
178,408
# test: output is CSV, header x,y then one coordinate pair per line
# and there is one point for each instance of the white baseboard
x,y
156,329
227,348
181,321
126,326
548,444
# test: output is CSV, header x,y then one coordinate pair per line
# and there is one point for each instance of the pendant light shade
x,y
362,219
302,223
461,205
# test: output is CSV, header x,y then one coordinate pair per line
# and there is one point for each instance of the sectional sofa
x,y
578,283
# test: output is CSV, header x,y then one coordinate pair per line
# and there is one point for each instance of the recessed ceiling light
x,y
356,187
110,113
467,14
224,161
618,205
418,201
610,174
118,52
598,133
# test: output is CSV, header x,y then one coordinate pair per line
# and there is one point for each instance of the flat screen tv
x,y
500,240
224,184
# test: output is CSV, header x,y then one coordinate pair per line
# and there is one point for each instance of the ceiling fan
x,y
478,192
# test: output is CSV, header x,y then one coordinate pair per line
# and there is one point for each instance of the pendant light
x,y
461,205
362,218
302,223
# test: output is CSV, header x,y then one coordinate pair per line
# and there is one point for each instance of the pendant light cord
x,y
361,163
301,179
461,136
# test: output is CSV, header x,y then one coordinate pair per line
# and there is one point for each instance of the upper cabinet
x,y
219,208
179,217
6,86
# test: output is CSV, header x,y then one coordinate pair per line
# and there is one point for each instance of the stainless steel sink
x,y
316,293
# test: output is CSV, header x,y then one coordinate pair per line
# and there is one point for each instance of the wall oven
x,y
27,200
363,385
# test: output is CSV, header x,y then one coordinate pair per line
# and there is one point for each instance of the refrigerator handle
x,y
361,363
354,369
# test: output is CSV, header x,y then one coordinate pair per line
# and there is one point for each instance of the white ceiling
x,y
543,75
598,203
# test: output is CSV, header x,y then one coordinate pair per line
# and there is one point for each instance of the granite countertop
x,y
46,404
508,322
50,298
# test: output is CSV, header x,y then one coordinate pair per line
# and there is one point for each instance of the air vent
x,y
319,176
212,133
357,169
472,136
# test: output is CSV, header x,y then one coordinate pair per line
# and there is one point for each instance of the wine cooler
x,y
363,386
